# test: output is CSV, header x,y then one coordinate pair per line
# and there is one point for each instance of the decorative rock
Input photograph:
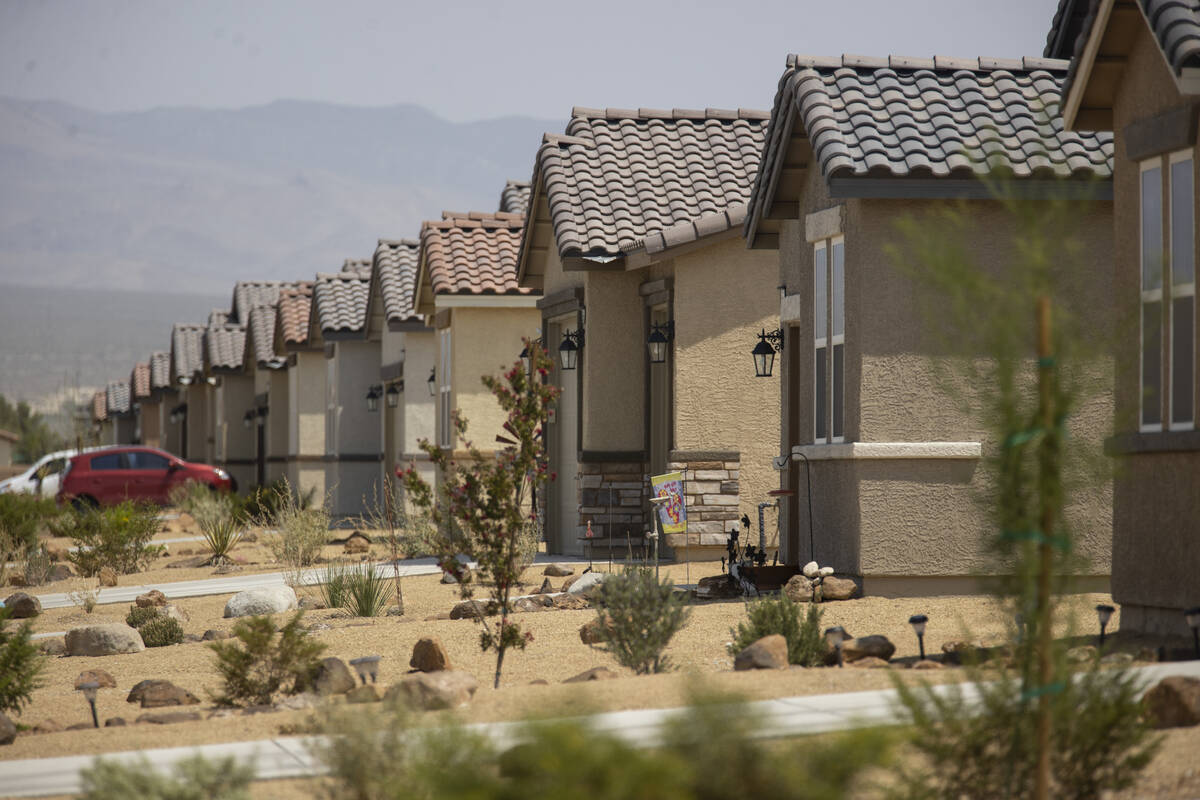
x,y
427,691
265,600
810,570
52,647
868,647
838,588
925,663
528,604
1082,654
333,677
799,589
470,609
429,655
448,578
957,652
558,571
769,652
23,605
47,726
151,599
593,631
212,635
159,694
355,545
367,693
108,576
115,722
297,702
103,640
1117,659
546,587
566,587
8,731
717,587
869,662
169,717
825,572
59,572
587,584
97,676
174,612
593,674
1174,702
570,602
81,726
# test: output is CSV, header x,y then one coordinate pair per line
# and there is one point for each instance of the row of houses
x,y
717,291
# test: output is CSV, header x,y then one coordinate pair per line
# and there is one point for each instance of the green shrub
x,y
20,663
161,631
138,616
780,615
265,502
643,616
367,592
36,565
262,660
117,537
23,516
333,584
301,529
195,778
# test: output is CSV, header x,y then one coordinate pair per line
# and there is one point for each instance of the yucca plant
x,y
221,534
367,592
333,584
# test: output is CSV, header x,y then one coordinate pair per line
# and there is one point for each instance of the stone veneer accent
x,y
711,489
614,496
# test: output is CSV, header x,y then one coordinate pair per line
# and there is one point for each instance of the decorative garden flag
x,y
673,513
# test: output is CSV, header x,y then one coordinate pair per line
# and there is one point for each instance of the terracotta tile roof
x,y
515,197
160,370
927,118
117,398
340,301
187,351
292,319
224,347
395,268
100,406
618,176
472,253
139,380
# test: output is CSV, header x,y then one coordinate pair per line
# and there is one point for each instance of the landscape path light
x,y
393,395
764,352
834,637
366,666
1192,615
918,624
89,690
1104,613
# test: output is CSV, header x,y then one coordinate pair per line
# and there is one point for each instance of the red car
x,y
110,476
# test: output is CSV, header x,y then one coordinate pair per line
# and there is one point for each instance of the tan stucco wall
x,y
612,362
306,422
170,432
278,418
234,444
392,346
150,421
6,452
352,432
416,412
199,430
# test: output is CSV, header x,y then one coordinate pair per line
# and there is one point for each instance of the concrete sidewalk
x,y
291,757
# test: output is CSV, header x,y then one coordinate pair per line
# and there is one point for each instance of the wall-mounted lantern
x,y
764,352
373,395
392,395
248,419
660,336
432,382
568,351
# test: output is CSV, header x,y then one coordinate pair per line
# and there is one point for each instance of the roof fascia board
x,y
408,326
582,264
1074,98
956,188
343,336
643,259
485,301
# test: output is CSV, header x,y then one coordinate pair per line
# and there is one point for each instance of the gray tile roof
x,y
260,336
1069,19
160,370
187,351
356,264
117,398
515,197
217,318
935,117
395,269
339,303
248,294
618,176
224,347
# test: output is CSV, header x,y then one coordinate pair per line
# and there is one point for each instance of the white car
x,y
43,477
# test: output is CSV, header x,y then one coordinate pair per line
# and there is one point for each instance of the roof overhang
x,y
484,301
963,188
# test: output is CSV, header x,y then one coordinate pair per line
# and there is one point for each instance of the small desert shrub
x,y
195,778
161,631
644,614
85,599
367,592
771,615
20,663
36,565
117,537
262,660
23,515
302,530
333,584
138,616
221,535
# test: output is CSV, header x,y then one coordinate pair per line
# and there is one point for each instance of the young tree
x,y
489,497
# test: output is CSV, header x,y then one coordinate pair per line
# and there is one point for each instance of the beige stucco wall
x,y
278,418
306,422
415,418
392,346
150,421
352,432
235,446
199,431
170,432
613,362
6,452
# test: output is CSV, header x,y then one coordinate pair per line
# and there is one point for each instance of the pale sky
x,y
470,60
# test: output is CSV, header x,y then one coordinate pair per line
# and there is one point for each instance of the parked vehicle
x,y
133,473
44,476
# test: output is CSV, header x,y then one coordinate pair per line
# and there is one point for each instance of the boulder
x,y
958,652
593,631
1082,654
547,588
297,702
593,674
47,726
169,717
810,570
718,587
52,647
870,662
868,647
151,599
159,694
1174,702
570,602
115,722
108,576
23,605
426,691
212,635
557,571
769,652
59,572
588,584
8,731
333,677
356,545
799,589
470,609
926,663
528,604
825,572
429,655
448,578
566,586
103,640
264,600
97,676
174,612
367,693
838,588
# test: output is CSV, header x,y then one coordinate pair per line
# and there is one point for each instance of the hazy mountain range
x,y
187,201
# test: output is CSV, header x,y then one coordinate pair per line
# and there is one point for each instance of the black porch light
x,y
764,352
1104,613
660,336
1192,615
568,351
373,395
918,624
432,382
248,419
392,395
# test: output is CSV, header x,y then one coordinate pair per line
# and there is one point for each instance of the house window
x,y
445,426
1183,292
838,337
829,340
820,339
1152,295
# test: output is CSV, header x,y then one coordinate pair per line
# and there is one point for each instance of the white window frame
x,y
1148,296
445,396
837,339
1178,291
821,344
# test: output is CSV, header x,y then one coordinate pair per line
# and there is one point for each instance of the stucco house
x,y
305,451
467,290
121,423
854,145
100,423
192,411
1136,72
163,400
407,347
145,419
8,443
633,237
